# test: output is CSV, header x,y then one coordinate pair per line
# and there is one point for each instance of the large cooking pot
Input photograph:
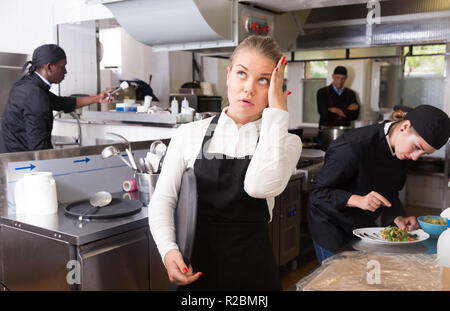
x,y
328,134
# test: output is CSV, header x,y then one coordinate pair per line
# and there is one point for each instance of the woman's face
x,y
409,145
248,81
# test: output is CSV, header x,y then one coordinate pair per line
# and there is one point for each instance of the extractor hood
x,y
204,25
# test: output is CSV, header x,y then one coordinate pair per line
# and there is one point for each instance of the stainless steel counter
x,y
68,229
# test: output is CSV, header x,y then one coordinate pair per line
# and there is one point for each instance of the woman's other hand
x,y
277,98
177,269
406,223
370,202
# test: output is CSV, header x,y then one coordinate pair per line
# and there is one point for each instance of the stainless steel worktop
x,y
68,229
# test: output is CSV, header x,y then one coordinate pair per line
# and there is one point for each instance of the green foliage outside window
x,y
318,69
432,65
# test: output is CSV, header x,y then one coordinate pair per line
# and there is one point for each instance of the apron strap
x,y
211,129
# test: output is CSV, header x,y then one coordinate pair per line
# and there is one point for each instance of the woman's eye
x,y
263,80
241,74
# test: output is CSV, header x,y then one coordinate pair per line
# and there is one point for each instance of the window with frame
x,y
424,60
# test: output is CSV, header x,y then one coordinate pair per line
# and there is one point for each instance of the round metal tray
x,y
117,208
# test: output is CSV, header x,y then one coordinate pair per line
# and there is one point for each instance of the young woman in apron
x,y
242,159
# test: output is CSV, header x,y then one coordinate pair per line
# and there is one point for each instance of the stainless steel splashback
x,y
77,171
10,67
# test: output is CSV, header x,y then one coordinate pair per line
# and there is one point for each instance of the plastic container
x,y
443,252
147,101
174,106
126,107
184,103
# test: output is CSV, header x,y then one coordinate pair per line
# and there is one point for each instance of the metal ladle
x,y
112,151
127,150
99,199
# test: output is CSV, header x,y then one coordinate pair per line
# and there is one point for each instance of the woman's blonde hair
x,y
263,44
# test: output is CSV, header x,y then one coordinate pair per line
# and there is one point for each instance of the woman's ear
x,y
405,126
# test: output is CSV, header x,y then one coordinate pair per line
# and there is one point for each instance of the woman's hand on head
x,y
277,98
177,269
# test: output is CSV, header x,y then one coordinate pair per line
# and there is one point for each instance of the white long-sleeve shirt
x,y
274,159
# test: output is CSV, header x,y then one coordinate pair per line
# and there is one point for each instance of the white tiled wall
x,y
79,43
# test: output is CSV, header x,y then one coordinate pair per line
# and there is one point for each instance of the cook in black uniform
x,y
363,172
337,105
28,117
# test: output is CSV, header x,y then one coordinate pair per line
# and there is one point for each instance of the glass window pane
x,y
318,69
405,50
424,66
429,49
310,88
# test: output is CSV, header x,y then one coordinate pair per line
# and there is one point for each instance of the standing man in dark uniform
x,y
337,105
28,117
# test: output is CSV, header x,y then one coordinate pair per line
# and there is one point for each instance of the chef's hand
x,y
337,111
177,270
353,106
277,98
406,223
104,98
370,202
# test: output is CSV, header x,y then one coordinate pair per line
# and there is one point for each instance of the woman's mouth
x,y
405,157
246,102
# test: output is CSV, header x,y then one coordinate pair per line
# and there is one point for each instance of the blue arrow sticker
x,y
31,167
84,160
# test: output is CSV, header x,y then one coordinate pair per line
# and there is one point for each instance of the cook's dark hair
x,y
265,45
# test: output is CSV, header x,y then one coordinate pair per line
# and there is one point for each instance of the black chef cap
x,y
431,123
340,70
47,53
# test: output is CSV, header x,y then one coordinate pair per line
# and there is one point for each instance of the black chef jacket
x,y
327,97
28,116
358,162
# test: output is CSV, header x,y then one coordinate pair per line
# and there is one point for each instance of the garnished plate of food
x,y
391,235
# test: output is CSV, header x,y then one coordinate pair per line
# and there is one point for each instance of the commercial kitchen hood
x,y
400,22
204,25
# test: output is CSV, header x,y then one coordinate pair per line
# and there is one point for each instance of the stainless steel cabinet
x,y
284,229
32,261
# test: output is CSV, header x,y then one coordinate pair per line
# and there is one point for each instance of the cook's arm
x,y
352,114
323,105
339,168
102,97
275,157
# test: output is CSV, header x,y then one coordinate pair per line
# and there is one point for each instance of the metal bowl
x,y
327,134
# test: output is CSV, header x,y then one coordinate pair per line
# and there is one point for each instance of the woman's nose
x,y
249,87
416,155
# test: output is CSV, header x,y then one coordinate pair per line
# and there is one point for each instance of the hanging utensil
x,y
131,157
113,151
154,160
141,165
154,145
99,199
148,166
121,137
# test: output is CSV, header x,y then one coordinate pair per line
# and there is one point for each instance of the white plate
x,y
376,231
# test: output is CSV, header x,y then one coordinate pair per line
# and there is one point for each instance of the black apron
x,y
232,246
